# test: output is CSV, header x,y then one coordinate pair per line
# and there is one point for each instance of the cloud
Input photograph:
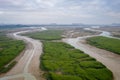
x,y
27,4
28,11
114,14
1,12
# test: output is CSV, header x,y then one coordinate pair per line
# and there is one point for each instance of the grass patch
x,y
9,49
106,43
7,68
46,35
63,62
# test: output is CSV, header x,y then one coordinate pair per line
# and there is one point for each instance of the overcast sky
x,y
59,11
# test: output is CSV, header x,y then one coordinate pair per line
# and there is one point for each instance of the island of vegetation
x,y
46,35
106,43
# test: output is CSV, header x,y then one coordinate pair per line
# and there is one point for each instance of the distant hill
x,y
12,26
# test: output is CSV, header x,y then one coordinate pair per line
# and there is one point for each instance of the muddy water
x,y
109,59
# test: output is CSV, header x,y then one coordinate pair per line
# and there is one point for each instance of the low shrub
x,y
64,63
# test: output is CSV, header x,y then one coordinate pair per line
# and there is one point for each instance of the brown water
x,y
109,59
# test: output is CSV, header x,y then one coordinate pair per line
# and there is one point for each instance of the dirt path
x,y
109,59
27,67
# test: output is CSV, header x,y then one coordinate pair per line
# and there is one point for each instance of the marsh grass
x,y
106,43
9,50
63,62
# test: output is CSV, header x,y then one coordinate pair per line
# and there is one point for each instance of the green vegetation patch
x,y
8,67
61,61
46,35
106,43
9,49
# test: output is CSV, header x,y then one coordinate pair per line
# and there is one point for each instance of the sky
x,y
59,11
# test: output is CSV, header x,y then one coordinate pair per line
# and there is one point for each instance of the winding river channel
x,y
109,59
28,66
